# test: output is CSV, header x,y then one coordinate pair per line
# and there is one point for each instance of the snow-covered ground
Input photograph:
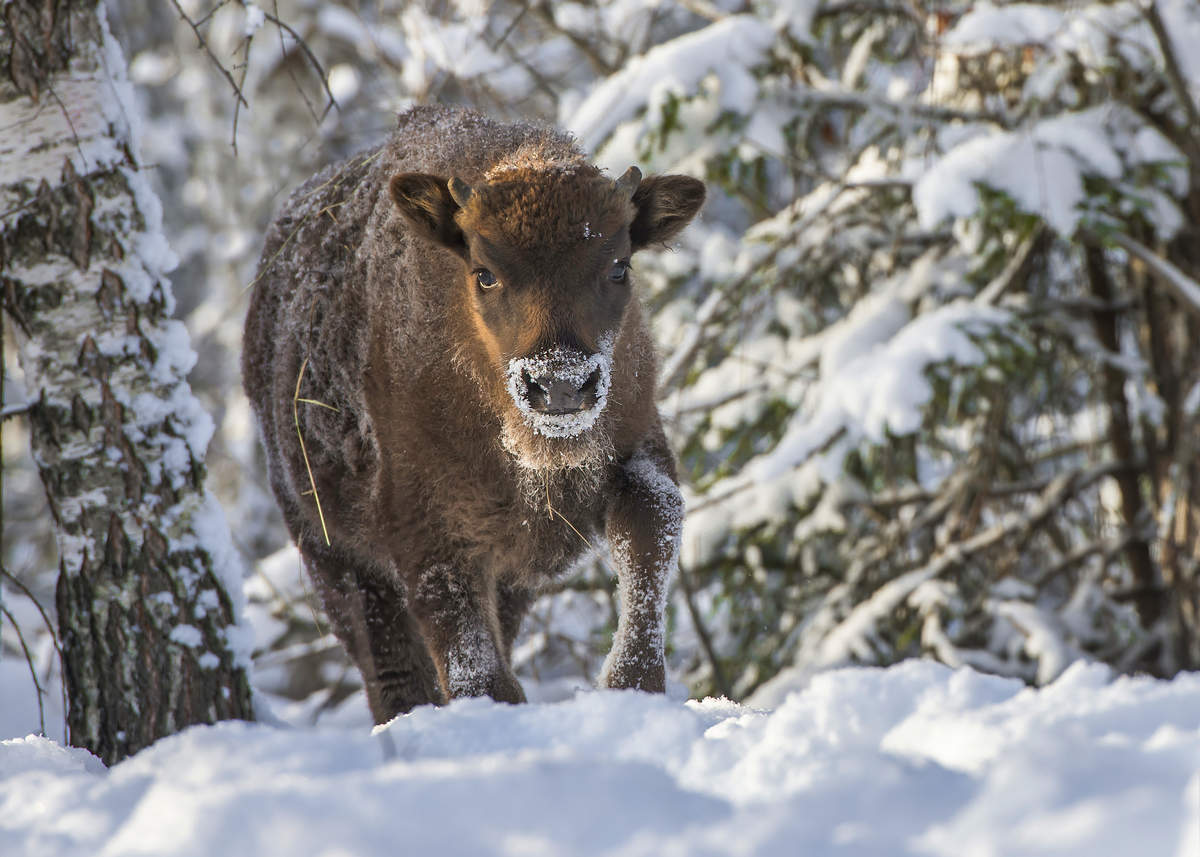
x,y
914,759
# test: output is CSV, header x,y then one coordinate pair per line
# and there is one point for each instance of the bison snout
x,y
560,392
548,394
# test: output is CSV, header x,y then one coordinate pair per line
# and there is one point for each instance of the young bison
x,y
455,387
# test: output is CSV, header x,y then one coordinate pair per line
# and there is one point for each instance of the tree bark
x,y
1149,597
149,585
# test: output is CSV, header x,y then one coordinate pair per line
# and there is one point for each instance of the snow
x,y
726,49
872,381
1043,168
987,27
255,18
914,759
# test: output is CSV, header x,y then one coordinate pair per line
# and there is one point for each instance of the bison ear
x,y
665,204
426,203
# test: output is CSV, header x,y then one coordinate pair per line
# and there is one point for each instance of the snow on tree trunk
x,y
149,588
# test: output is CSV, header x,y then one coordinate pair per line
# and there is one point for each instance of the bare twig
x,y
584,45
685,583
832,96
1016,268
201,42
15,581
309,55
1180,284
32,670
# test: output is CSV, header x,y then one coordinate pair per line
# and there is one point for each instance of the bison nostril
x,y
588,390
535,391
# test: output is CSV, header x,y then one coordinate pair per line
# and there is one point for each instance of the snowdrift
x,y
914,759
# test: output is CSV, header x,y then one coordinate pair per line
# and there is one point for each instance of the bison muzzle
x,y
455,386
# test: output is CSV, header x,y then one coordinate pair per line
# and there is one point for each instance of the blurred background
x,y
928,358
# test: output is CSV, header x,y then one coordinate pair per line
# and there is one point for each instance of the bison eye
x,y
486,279
619,271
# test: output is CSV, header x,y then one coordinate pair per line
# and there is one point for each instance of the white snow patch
x,y
255,18
914,759
187,635
987,27
726,49
1043,167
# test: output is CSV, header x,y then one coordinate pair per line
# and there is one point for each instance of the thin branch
x,y
582,44
834,96
316,64
203,43
704,9
1180,284
32,670
706,642
17,582
283,53
1016,268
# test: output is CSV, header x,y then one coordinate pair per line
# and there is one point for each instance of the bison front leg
x,y
456,611
644,523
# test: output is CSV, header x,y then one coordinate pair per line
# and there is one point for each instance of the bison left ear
x,y
665,204
427,203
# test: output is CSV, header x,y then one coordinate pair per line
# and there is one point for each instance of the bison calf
x,y
455,387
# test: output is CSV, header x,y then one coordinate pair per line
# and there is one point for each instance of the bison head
x,y
544,283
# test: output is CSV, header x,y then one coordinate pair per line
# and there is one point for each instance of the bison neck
x,y
445,471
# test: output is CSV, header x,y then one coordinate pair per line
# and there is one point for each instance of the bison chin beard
x,y
583,455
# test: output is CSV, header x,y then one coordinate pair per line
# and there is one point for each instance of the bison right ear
x,y
426,203
665,204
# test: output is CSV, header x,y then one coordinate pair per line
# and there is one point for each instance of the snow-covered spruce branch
x,y
836,645
680,360
1175,78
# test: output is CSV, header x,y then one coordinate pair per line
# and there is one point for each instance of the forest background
x,y
929,360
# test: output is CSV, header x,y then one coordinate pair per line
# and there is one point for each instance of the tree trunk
x,y
149,585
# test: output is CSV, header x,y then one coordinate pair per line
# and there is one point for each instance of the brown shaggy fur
x,y
435,492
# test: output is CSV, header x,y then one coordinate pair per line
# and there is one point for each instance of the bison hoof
x,y
506,688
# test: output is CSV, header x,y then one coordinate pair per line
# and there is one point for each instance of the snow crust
x,y
914,759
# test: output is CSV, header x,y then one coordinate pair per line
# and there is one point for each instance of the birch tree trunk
x,y
149,588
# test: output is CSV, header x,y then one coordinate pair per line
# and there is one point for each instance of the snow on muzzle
x,y
561,392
